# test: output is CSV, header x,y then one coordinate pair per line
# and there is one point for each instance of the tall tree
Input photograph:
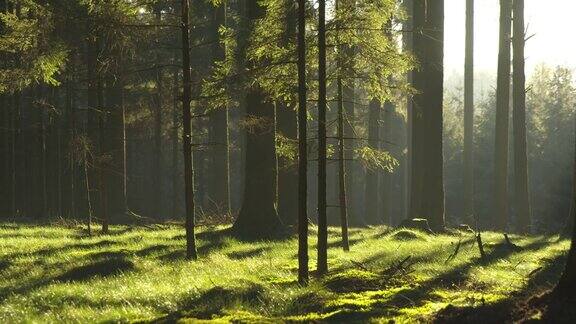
x,y
219,125
502,118
565,287
187,134
322,265
288,128
258,217
372,184
302,148
521,186
469,114
427,186
157,158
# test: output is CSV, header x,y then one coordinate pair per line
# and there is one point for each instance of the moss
x,y
353,280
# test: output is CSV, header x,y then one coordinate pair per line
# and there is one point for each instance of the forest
x,y
280,161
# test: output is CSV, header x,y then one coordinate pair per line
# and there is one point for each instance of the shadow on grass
x,y
239,255
214,301
103,268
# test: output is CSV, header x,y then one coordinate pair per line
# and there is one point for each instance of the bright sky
x,y
546,19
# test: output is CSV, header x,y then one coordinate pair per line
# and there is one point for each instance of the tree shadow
x,y
103,268
239,255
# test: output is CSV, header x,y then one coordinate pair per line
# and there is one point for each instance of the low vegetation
x,y
59,274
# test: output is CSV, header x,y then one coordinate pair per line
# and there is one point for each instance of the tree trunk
x,y
469,116
258,217
175,173
157,158
187,134
565,287
408,46
427,187
302,148
386,177
101,168
521,186
372,187
219,127
502,119
322,266
342,170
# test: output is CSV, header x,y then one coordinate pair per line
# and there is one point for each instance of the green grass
x,y
56,274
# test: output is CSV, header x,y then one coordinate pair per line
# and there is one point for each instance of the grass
x,y
55,274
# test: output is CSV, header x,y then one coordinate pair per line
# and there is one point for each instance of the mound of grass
x,y
408,235
353,280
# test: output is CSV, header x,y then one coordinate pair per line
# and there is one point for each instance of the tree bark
x,y
427,187
469,116
175,173
342,199
521,185
502,119
157,158
372,187
219,127
187,134
258,217
565,287
322,266
302,148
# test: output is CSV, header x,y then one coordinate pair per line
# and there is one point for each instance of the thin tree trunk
x,y
322,266
220,129
342,171
407,44
157,159
187,134
101,172
469,116
175,176
88,195
502,119
386,177
521,186
372,184
302,148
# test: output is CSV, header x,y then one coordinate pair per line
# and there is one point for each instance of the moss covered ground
x,y
56,274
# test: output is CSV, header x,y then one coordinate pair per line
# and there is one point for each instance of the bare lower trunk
x,y
187,135
521,187
342,172
502,118
469,115
302,148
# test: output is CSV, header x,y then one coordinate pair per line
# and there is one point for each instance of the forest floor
x,y
59,274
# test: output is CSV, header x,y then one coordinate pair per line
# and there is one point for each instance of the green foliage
x,y
141,274
30,52
376,159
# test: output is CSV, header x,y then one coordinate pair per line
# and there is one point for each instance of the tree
x,y
427,187
502,119
372,185
219,124
187,134
322,264
565,287
302,148
469,114
157,112
258,217
521,186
